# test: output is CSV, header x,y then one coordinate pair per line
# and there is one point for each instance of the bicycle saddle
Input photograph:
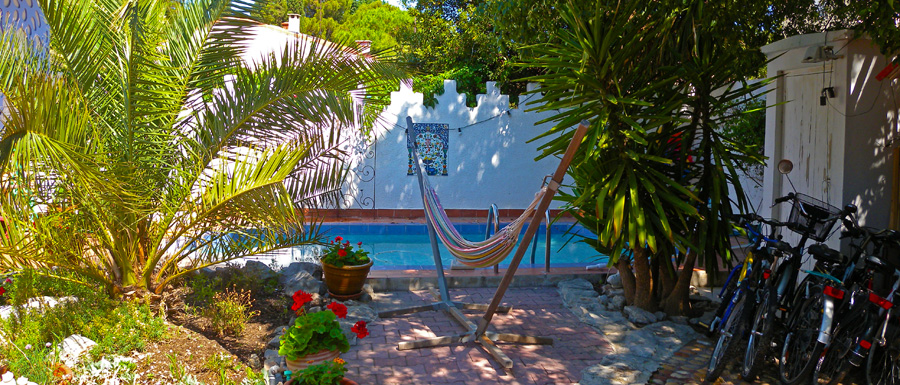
x,y
825,254
876,263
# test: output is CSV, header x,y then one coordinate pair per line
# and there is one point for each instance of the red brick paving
x,y
536,311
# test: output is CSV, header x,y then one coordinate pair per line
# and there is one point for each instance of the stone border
x,y
638,351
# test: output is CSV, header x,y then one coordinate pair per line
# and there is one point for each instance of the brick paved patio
x,y
536,311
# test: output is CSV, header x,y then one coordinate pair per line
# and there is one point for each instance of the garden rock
x,y
575,291
271,354
275,342
660,315
73,347
289,271
302,280
253,362
36,303
615,281
616,303
639,316
259,270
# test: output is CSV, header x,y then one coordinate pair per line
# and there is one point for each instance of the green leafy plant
x,y
340,254
312,333
230,311
327,373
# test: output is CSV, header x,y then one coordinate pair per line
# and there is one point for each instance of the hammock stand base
x,y
452,308
478,333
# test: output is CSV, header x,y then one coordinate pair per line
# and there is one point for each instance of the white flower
x,y
28,347
49,344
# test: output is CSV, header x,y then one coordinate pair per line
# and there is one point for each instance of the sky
x,y
399,3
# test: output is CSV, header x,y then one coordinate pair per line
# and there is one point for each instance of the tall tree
x,y
143,149
381,23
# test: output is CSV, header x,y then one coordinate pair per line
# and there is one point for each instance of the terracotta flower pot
x,y
347,281
303,362
344,381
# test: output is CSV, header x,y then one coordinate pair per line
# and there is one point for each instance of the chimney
x,y
293,22
364,46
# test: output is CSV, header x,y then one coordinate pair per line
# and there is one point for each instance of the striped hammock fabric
x,y
475,254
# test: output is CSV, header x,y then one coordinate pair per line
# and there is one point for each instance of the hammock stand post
x,y
479,333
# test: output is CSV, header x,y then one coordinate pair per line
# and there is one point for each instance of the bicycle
x,y
741,284
805,305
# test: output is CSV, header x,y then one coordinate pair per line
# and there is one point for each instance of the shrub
x,y
230,311
117,327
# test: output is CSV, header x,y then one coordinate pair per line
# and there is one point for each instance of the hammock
x,y
481,253
485,253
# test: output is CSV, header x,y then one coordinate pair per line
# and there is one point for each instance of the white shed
x,y
837,123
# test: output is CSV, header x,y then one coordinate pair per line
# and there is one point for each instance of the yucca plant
x,y
647,76
137,146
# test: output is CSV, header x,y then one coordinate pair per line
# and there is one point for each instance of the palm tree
x,y
138,147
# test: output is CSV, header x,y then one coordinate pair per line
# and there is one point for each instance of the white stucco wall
x,y
842,152
489,161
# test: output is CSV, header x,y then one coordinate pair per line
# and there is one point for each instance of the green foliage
x,y
118,328
378,22
312,333
630,68
746,124
229,312
143,168
343,254
326,373
221,364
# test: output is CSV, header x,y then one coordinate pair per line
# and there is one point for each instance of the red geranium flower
x,y
338,238
300,298
2,290
360,329
339,309
342,252
359,244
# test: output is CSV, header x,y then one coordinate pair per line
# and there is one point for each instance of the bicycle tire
x,y
760,336
730,287
833,366
883,364
801,350
729,336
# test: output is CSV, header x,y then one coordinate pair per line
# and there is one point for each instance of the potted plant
x,y
346,268
314,337
326,373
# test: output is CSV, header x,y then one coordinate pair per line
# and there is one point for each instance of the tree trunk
x,y
678,302
667,277
627,277
643,289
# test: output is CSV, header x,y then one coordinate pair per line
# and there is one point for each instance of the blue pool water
x,y
395,246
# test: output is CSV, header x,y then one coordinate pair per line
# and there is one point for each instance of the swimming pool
x,y
402,246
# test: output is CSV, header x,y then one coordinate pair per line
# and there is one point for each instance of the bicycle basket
x,y
812,217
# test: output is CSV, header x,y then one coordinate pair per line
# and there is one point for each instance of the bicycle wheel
x,y
801,349
730,287
833,366
729,336
760,336
883,365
